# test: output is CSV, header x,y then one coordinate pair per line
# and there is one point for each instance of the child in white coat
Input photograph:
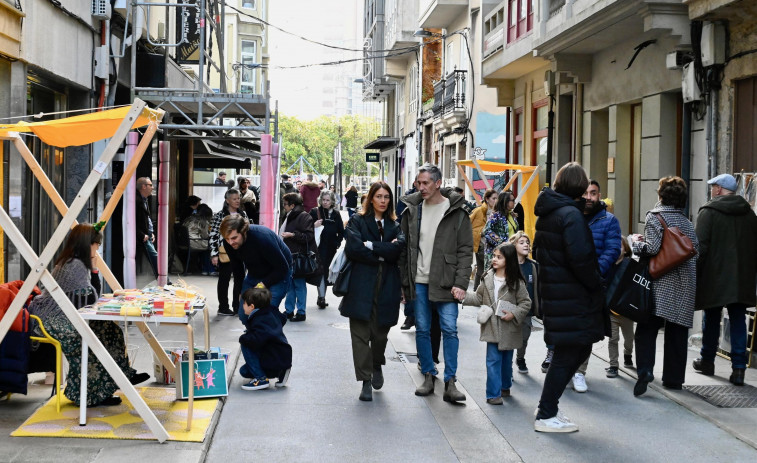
x,y
504,305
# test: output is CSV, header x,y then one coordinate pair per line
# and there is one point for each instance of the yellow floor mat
x,y
122,421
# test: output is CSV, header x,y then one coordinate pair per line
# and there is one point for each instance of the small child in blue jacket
x,y
267,353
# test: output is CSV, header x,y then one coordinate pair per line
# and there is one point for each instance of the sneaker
x,y
579,383
547,361
627,361
522,368
555,424
226,311
281,381
495,401
299,317
256,384
611,372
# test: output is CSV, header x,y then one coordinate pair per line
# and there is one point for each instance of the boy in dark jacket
x,y
267,353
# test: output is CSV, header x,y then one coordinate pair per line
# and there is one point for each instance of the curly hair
x,y
673,192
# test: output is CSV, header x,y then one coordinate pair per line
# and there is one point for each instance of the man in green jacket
x,y
726,270
435,267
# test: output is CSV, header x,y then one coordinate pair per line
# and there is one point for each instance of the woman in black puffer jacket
x,y
572,299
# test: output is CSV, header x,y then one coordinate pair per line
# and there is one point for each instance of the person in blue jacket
x,y
265,256
605,229
267,353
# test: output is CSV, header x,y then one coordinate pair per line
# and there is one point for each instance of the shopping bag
x,y
336,263
630,292
318,231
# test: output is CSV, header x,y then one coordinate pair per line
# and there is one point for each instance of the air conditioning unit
x,y
100,9
689,86
677,59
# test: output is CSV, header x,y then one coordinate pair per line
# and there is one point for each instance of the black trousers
x,y
225,270
675,350
565,363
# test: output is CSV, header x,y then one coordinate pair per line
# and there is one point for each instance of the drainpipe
x,y
712,126
686,150
543,17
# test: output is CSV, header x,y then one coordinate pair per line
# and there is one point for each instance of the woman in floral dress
x,y
501,225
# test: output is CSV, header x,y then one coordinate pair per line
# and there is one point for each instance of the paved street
x,y
318,417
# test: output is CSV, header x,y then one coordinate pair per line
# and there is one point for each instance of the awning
x,y
80,130
382,143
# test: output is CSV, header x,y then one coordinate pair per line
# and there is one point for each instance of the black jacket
x,y
570,286
265,336
373,282
141,214
332,234
301,224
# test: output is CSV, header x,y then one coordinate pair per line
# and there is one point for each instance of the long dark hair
x,y
503,200
79,245
367,209
513,275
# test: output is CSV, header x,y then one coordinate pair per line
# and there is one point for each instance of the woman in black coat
x,y
326,216
374,243
570,288
297,232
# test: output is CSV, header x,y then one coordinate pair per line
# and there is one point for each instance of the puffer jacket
x,y
605,229
310,191
478,220
726,228
571,294
507,335
452,256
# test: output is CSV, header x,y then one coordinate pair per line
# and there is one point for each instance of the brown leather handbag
x,y
676,248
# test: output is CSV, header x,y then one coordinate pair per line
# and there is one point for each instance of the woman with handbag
x,y
374,243
674,292
297,232
326,216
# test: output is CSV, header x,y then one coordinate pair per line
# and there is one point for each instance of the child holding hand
x,y
267,353
504,305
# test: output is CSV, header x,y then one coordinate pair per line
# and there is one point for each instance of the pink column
x,y
266,182
129,229
275,180
163,186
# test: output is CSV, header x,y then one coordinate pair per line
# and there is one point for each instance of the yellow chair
x,y
58,357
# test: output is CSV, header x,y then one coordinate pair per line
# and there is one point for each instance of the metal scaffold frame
x,y
199,113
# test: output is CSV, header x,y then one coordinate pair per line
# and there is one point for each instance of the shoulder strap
x,y
662,221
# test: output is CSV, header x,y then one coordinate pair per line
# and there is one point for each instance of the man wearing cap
x,y
726,270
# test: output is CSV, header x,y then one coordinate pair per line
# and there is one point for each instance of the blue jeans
x,y
251,369
711,333
297,293
278,291
499,370
152,256
448,322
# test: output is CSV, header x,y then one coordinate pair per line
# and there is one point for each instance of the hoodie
x,y
310,191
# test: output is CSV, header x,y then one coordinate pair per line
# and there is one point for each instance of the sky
x,y
309,92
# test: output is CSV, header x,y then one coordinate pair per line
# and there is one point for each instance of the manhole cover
x,y
727,396
340,326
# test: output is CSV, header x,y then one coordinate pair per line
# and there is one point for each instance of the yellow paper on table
x,y
174,308
185,293
131,311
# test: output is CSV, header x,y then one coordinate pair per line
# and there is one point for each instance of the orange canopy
x,y
80,130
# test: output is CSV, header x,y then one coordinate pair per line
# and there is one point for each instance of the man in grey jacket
x,y
726,269
435,268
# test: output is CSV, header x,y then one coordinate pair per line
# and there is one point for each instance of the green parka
x,y
727,229
452,257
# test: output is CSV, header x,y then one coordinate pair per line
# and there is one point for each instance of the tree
x,y
316,140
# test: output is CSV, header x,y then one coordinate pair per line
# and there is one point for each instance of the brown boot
x,y
451,394
427,388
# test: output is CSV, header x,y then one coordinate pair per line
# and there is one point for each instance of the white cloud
x,y
500,139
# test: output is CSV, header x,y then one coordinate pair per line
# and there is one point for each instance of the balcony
x,y
400,24
440,13
450,105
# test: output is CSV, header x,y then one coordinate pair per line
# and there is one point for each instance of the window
x,y
518,139
248,4
413,82
249,58
521,19
540,123
449,61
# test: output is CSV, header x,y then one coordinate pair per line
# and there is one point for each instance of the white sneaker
x,y
560,415
579,383
555,424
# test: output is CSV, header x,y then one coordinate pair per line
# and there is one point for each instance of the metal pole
x,y
550,136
